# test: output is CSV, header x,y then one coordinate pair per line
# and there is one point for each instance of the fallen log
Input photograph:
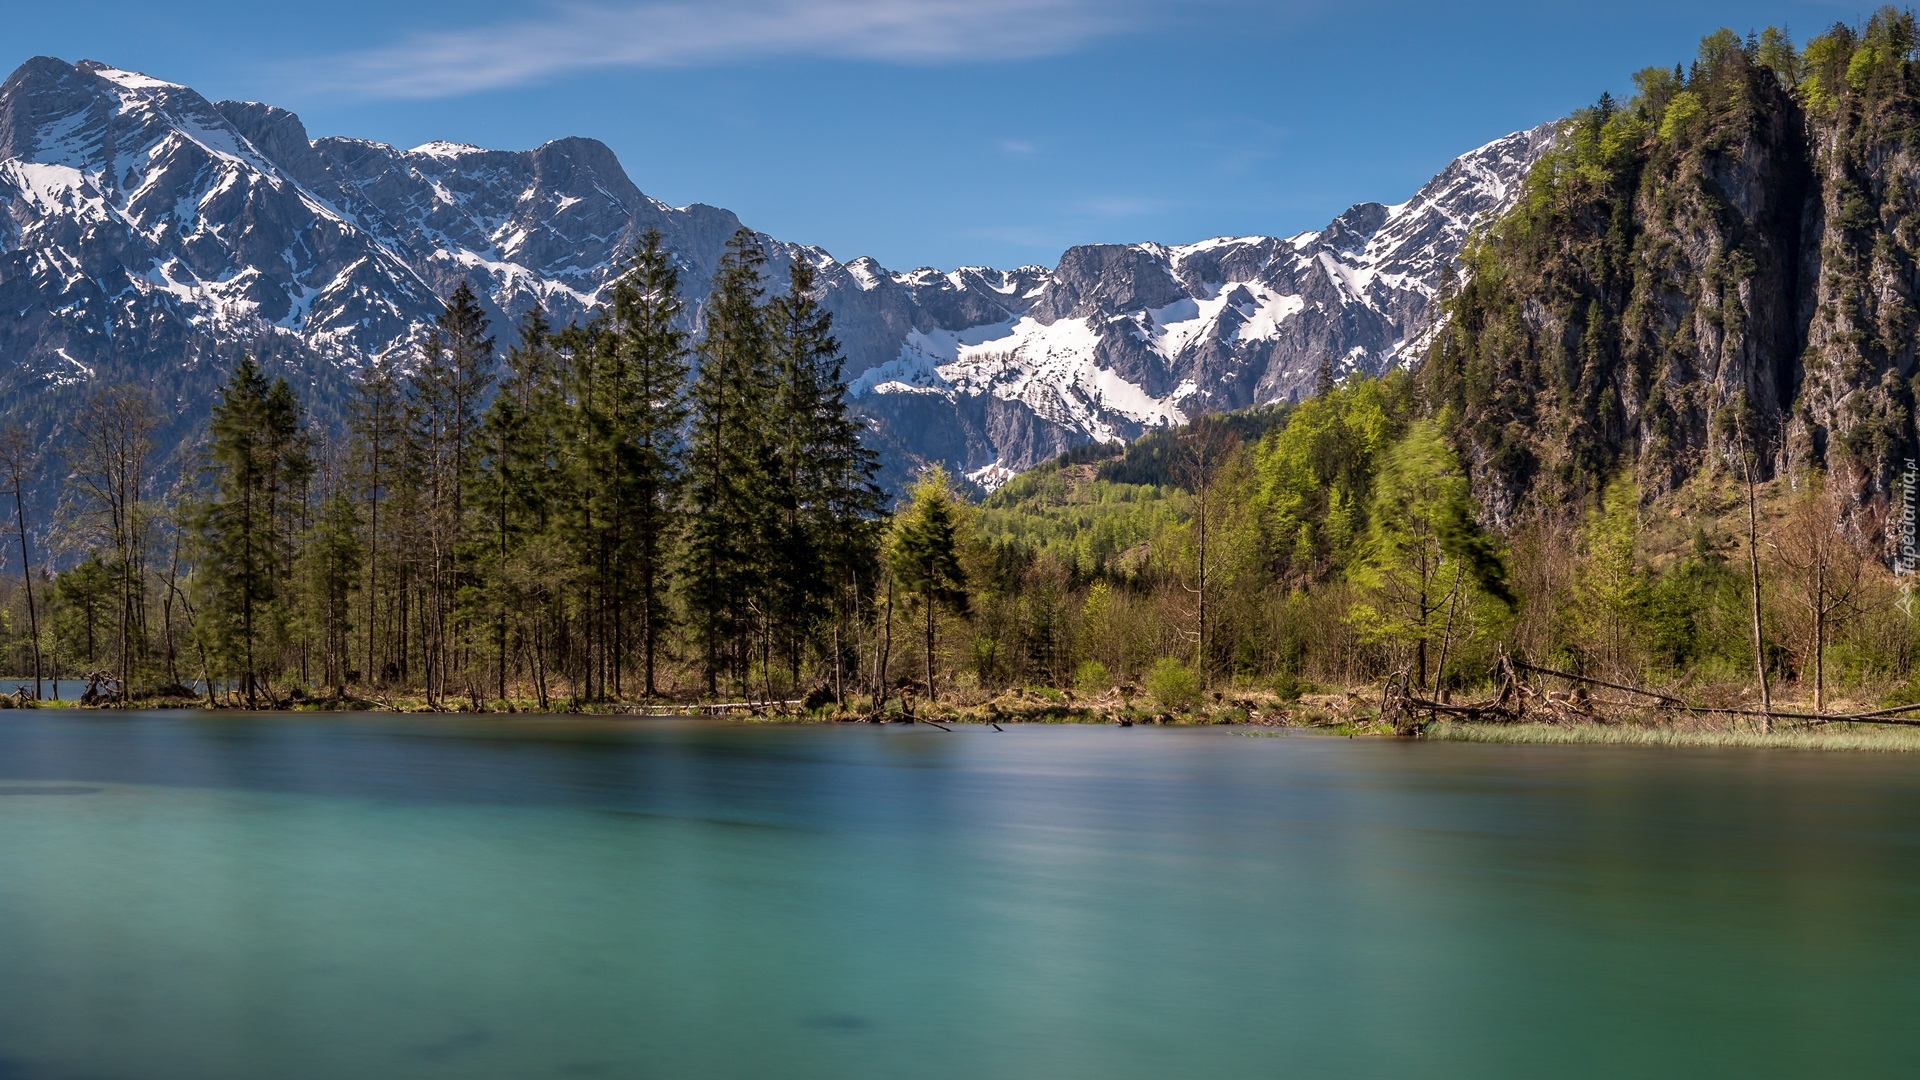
x,y
1400,708
726,705
1524,666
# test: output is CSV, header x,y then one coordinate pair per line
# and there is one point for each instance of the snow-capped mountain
x,y
152,234
1120,339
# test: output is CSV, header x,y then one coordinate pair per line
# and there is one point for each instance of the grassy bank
x,y
1869,737
1344,713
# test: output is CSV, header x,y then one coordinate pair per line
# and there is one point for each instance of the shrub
x,y
1173,684
1092,678
1288,687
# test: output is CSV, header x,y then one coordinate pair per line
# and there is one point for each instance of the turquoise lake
x,y
226,896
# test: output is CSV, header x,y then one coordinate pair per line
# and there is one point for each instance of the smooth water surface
x,y
241,897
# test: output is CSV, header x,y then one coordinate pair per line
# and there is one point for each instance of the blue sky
x,y
933,132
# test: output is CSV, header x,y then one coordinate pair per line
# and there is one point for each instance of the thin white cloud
x,y
1123,206
683,34
1028,237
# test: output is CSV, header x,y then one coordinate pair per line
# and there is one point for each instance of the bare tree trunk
x,y
839,698
1200,608
884,654
17,453
1820,637
1753,568
373,565
930,613
1820,663
1446,634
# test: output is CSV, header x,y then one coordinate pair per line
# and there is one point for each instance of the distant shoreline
x,y
1306,718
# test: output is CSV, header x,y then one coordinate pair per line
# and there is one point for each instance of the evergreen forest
x,y
1661,440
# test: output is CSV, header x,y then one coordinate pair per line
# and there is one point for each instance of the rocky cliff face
x,y
151,234
1728,261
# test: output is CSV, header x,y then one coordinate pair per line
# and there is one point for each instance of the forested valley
x,y
1660,439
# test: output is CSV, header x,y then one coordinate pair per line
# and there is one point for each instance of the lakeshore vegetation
x,y
617,513
579,542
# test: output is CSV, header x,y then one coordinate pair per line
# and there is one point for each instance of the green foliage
x,y
1173,685
1090,525
625,406
923,554
1680,114
1655,87
1694,616
1287,686
1428,574
517,497
593,516
328,567
1314,473
83,601
924,549
729,517
1777,54
826,503
1092,677
1824,68
1610,590
258,460
1152,459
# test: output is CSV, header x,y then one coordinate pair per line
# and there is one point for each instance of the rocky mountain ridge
x,y
1721,270
151,234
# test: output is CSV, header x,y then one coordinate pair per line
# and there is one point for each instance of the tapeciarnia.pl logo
x,y
1904,559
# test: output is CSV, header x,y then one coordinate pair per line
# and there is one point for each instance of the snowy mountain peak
x,y
1121,338
150,232
447,149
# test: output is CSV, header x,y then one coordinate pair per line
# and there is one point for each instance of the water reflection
x,y
247,896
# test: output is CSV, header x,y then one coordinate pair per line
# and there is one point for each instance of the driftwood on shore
x,y
1519,700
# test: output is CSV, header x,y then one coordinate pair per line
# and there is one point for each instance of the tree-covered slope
x,y
1726,260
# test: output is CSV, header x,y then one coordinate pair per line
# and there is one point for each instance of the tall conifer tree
x,y
726,490
254,455
515,483
652,350
377,423
827,501
925,555
455,369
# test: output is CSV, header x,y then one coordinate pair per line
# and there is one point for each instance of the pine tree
x,y
516,485
329,567
652,352
588,518
801,340
254,453
925,555
289,494
726,491
455,369
828,504
83,598
377,422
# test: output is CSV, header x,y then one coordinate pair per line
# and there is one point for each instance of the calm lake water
x,y
215,897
